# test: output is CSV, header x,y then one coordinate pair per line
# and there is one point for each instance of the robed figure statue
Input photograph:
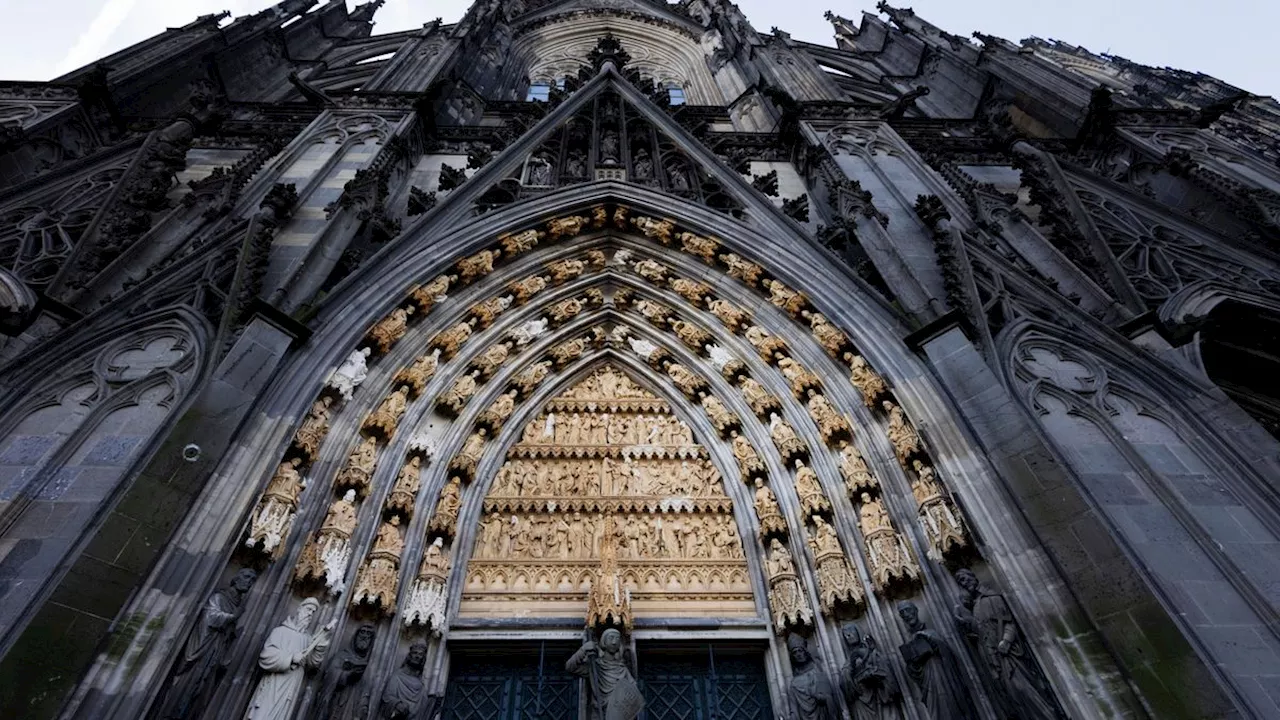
x,y
934,670
867,681
607,667
204,654
986,618
810,692
290,650
338,700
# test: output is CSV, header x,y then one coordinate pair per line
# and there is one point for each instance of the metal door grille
x,y
526,682
704,683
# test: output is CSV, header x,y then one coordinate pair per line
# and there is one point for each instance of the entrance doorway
x,y
703,682
680,681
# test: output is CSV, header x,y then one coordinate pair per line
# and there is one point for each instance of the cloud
x,y
89,47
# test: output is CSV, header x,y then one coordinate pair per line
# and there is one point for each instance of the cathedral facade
x,y
616,359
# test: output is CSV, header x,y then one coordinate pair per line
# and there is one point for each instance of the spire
x,y
608,50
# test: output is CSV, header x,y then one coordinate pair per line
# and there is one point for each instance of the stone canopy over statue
x,y
607,667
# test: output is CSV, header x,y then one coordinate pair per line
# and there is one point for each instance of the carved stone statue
x,y
379,576
390,329
569,226
730,367
749,464
784,298
768,346
747,272
692,290
564,311
768,513
357,473
659,230
812,500
867,680
451,340
987,620
810,691
689,382
427,602
566,352
306,442
426,296
731,315
831,424
418,374
521,242
326,556
492,359
529,332
857,476
607,667
798,376
905,439
722,417
888,559
477,265
837,582
337,700
486,312
563,271
445,518
405,492
290,650
274,515
705,248
201,665
653,271
786,598
939,520
827,335
784,437
528,380
402,697
762,402
496,414
351,373
457,397
656,313
383,421
691,335
933,670
868,382
525,288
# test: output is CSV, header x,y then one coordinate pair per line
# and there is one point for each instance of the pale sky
x,y
1234,40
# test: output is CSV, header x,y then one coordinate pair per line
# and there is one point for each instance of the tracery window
x,y
675,94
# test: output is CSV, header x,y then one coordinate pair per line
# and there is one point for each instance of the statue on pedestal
x,y
290,650
986,618
933,670
607,667
867,681
810,692
338,700
202,662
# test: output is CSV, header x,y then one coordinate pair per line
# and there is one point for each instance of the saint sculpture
x,y
291,649
786,598
607,668
427,601
867,680
202,663
328,553
933,670
986,618
379,577
274,515
338,699
306,442
403,695
810,691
